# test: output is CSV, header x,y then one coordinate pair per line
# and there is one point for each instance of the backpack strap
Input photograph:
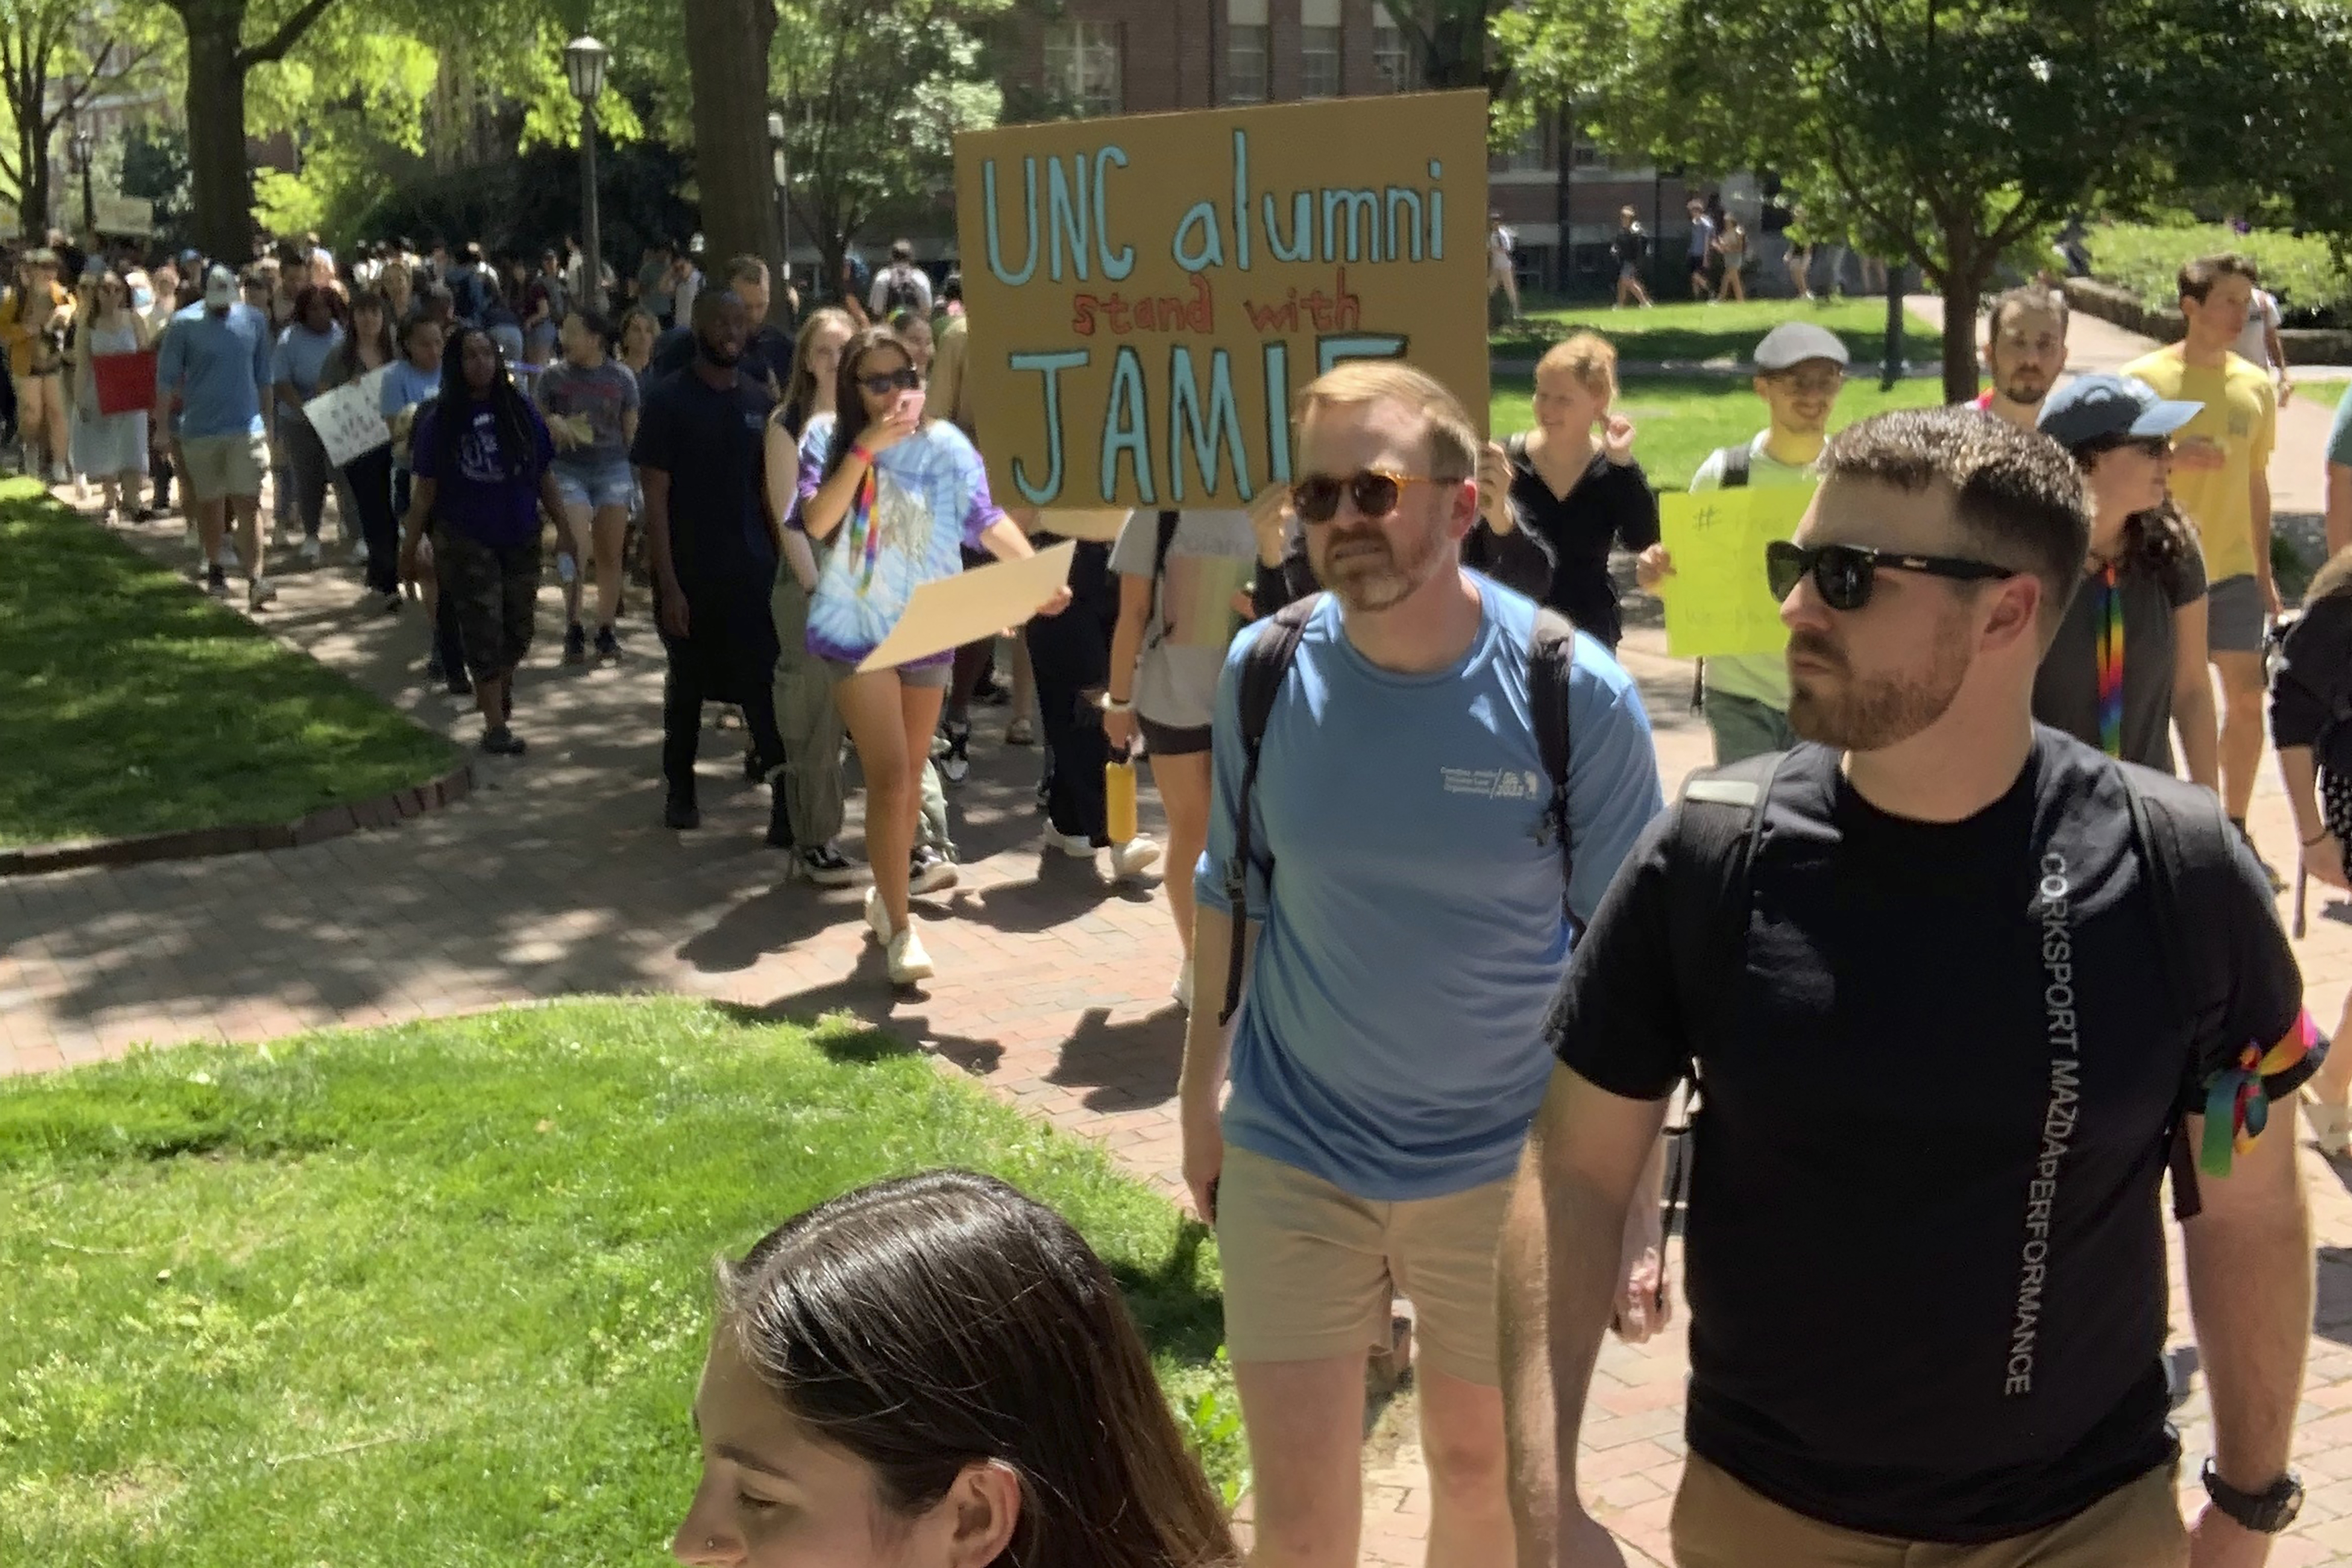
x,y
2184,840
1263,669
1710,895
1737,461
1551,655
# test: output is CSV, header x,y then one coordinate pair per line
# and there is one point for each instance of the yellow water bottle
x,y
1118,799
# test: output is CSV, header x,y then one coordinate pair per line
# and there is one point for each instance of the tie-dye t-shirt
x,y
925,499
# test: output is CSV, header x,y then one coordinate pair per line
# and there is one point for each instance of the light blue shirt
x,y
404,385
220,367
1391,1039
2339,435
301,355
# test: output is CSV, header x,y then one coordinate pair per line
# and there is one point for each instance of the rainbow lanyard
x,y
866,533
2237,1107
2111,664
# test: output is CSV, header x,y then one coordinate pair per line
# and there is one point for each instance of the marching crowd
x,y
1901,1013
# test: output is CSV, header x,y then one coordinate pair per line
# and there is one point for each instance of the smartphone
x,y
911,404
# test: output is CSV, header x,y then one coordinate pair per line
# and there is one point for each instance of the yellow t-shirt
x,y
2242,415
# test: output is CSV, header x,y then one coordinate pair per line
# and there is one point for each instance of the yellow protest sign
x,y
1147,293
1718,601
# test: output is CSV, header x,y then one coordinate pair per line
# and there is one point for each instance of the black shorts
x,y
1167,741
497,592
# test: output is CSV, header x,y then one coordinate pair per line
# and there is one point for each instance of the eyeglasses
x,y
1845,574
1818,383
1375,491
882,383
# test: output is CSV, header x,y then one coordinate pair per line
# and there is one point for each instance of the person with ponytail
x,y
936,1371
2311,700
2126,667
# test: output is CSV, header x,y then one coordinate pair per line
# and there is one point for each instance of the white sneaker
x,y
928,871
1182,990
1133,857
878,918
909,962
311,550
259,594
1077,846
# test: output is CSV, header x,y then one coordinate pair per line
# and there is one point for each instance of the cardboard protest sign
x,y
972,604
1717,599
346,419
1147,293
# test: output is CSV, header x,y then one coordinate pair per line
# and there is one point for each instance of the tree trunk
x,y
1966,270
727,59
218,179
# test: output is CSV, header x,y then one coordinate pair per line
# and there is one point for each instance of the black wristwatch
x,y
2265,1513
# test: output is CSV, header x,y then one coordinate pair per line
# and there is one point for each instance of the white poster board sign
x,y
347,420
972,604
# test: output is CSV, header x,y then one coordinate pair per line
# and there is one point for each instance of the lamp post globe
x,y
583,64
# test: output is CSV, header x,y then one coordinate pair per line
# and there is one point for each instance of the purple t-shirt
x,y
486,494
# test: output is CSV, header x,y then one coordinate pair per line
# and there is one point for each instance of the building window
x,y
1245,52
1082,66
1390,61
1527,153
1318,62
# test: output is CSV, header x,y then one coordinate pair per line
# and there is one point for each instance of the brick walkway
x,y
555,878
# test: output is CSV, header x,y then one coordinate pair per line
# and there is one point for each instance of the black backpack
x,y
1551,650
2184,840
899,291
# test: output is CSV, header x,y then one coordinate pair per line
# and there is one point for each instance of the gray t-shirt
x,y
2066,686
603,395
1211,559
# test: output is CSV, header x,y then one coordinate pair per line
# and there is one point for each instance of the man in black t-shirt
x,y
767,350
1941,1059
700,454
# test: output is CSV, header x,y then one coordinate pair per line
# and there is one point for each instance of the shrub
x,y
2314,287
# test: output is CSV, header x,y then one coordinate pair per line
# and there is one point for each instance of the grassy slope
x,y
134,705
439,1294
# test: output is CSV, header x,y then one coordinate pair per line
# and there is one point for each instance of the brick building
x,y
1137,56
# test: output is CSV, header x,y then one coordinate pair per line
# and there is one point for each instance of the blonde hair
x,y
1589,357
1453,439
2332,579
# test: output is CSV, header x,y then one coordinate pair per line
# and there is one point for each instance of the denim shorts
x,y
595,484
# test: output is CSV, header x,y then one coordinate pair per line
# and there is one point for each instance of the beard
x,y
1370,572
1855,713
2027,390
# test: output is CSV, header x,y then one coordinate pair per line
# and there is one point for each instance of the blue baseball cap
x,y
2103,407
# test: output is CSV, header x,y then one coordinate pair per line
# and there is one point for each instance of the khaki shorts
x,y
1310,1269
213,467
1719,1523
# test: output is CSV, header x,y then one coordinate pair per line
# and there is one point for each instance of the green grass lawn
x,y
134,705
2326,394
439,1295
1681,418
1699,332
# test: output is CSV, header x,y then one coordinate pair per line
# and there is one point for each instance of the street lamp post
x,y
80,149
583,61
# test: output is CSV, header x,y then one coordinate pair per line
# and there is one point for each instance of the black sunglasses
x,y
882,383
1375,491
1845,573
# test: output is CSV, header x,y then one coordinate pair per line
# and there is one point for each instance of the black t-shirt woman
x,y
2126,667
1572,486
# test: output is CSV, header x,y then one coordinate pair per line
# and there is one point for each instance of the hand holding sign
x,y
1711,568
347,419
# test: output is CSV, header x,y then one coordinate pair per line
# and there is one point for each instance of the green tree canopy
x,y
1948,132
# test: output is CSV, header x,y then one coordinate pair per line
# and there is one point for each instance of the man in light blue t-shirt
x,y
214,366
1388,1054
2339,478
